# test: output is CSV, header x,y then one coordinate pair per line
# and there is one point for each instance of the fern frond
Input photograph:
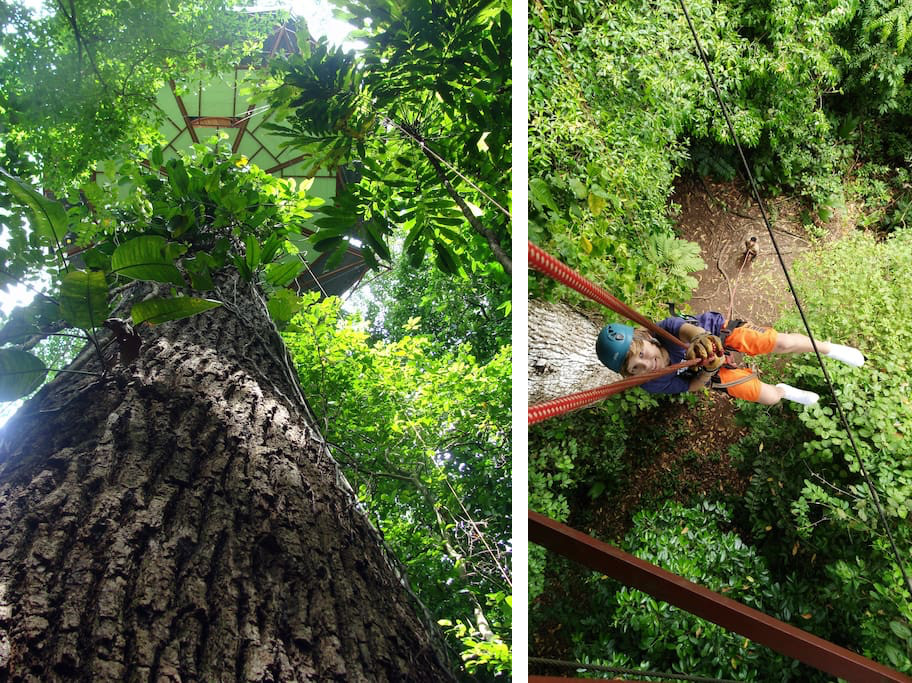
x,y
675,256
896,22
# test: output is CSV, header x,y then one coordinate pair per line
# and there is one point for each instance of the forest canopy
x,y
412,403
621,116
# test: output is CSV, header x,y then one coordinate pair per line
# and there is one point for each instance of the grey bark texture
x,y
562,356
182,520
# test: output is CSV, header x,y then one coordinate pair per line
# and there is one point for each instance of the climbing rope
x,y
756,193
732,288
564,404
546,264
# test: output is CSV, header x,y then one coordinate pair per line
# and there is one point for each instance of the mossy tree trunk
x,y
181,519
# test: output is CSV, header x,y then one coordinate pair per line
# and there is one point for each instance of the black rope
x,y
750,177
632,672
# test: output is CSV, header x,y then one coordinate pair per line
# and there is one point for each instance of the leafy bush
x,y
694,543
605,114
579,454
877,56
807,483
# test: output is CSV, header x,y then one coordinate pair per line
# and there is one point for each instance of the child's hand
x,y
714,363
708,347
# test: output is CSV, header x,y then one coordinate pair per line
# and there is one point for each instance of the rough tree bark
x,y
182,520
562,356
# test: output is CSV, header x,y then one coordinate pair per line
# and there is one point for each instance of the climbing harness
x,y
546,264
733,357
769,228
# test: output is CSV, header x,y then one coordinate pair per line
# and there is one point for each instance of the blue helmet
x,y
612,345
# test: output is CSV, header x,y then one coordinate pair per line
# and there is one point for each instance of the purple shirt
x,y
678,383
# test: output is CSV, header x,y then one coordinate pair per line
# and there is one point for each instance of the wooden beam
x,y
183,111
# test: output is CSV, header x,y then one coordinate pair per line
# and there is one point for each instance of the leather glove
x,y
707,346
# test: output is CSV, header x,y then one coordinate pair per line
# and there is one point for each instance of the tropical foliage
x,y
418,413
695,543
451,310
72,96
422,434
210,211
620,107
421,116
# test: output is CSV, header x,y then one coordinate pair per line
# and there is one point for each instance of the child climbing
x,y
636,351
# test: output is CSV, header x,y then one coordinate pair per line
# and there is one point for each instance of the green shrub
x,y
580,454
877,57
694,543
807,497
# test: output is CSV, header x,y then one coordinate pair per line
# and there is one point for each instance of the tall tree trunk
x,y
182,520
562,356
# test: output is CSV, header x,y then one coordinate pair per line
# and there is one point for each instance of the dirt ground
x,y
689,461
721,217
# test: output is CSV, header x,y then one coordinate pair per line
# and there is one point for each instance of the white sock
x,y
805,398
847,354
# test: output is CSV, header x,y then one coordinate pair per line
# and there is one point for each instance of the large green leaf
x,y
283,305
84,299
154,311
20,374
375,235
326,243
286,269
252,253
447,261
198,268
146,258
49,217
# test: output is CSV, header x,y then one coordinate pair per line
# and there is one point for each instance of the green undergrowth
x,y
804,544
808,502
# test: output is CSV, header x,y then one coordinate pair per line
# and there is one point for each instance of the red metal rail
x,y
675,590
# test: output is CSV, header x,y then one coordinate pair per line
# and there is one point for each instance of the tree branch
x,y
80,41
489,235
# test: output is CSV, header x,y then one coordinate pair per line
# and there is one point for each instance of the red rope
x,y
546,264
564,404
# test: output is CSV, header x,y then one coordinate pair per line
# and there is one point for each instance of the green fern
x,y
894,22
676,257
